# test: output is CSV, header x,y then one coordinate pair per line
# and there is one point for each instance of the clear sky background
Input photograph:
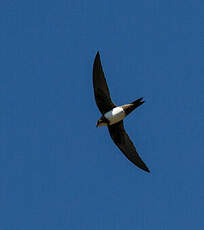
x,y
57,170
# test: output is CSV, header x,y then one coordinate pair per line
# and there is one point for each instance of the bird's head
x,y
101,122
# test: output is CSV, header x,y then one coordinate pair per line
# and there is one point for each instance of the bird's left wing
x,y
101,91
122,140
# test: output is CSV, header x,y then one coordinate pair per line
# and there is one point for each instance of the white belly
x,y
115,115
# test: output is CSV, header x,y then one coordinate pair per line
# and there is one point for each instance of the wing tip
x,y
97,59
98,54
144,167
147,170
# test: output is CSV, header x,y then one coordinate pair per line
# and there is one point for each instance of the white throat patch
x,y
115,115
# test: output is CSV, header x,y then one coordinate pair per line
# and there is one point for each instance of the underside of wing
x,y
101,91
122,140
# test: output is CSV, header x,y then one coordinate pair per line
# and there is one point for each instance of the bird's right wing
x,y
122,140
101,91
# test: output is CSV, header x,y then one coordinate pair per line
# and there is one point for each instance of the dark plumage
x,y
112,115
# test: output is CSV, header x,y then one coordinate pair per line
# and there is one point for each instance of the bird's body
x,y
112,115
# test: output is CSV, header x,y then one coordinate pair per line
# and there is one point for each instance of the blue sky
x,y
57,171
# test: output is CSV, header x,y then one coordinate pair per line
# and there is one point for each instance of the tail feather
x,y
138,102
130,107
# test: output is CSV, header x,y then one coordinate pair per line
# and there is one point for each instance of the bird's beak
x,y
97,124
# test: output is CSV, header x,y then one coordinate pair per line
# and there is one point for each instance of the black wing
x,y
101,91
122,140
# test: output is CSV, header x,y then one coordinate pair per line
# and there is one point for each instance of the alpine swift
x,y
112,115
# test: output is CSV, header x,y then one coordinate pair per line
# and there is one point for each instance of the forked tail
x,y
130,107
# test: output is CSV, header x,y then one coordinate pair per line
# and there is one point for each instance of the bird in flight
x,y
112,115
